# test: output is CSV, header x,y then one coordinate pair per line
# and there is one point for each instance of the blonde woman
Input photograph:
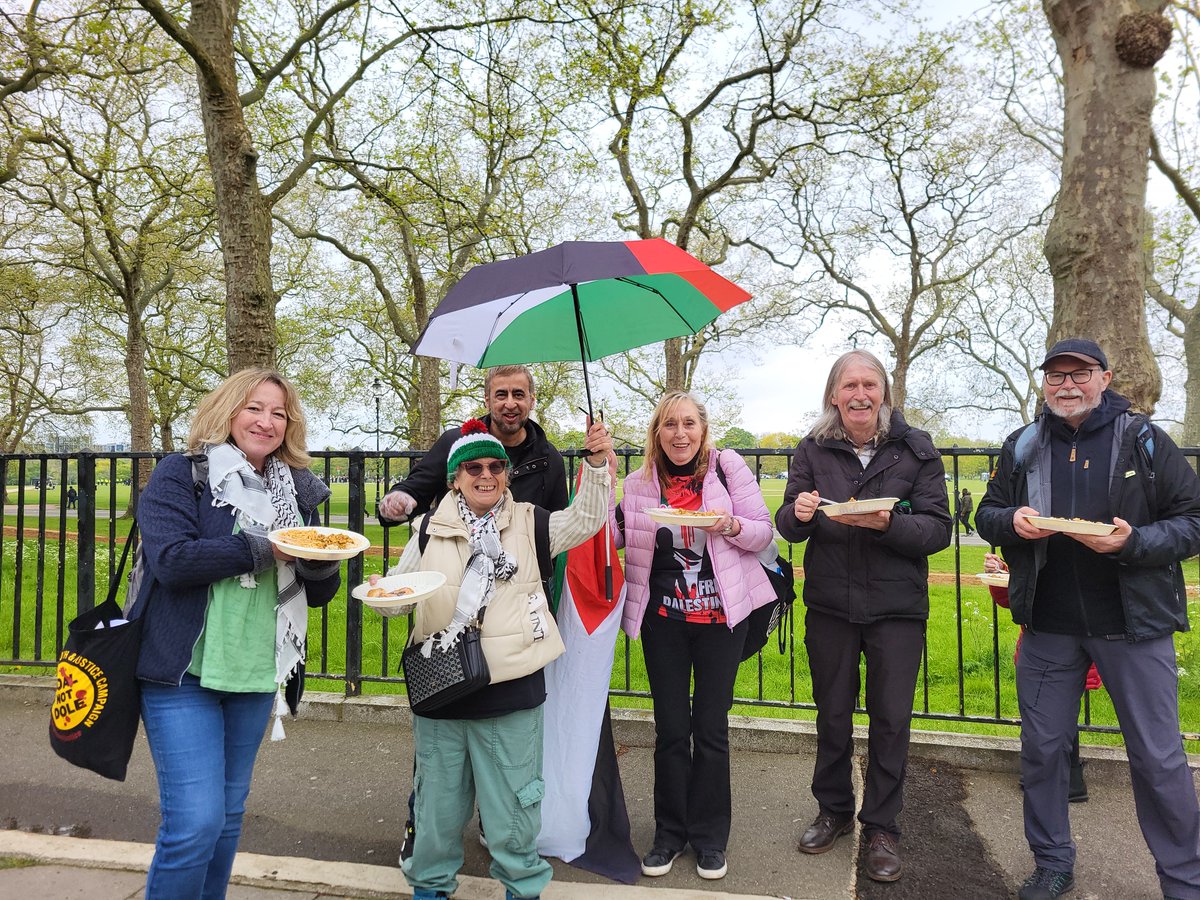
x,y
225,615
689,590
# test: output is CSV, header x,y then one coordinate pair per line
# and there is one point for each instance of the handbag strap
x,y
115,582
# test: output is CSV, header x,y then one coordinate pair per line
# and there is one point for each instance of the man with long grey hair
x,y
866,592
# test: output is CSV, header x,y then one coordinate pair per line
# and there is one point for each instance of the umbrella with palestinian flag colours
x,y
577,300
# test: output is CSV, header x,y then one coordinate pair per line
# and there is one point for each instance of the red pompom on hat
x,y
477,442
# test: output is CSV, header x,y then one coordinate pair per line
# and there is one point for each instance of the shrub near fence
x,y
55,562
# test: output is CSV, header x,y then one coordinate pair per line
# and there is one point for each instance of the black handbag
x,y
94,719
445,675
767,618
770,617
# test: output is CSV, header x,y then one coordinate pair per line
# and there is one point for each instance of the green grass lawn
x,y
964,632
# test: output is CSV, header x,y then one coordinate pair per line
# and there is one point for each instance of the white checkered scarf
x,y
488,562
261,504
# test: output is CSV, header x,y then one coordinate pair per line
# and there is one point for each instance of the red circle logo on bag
x,y
81,694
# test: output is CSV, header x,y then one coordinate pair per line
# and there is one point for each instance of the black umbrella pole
x,y
583,354
587,389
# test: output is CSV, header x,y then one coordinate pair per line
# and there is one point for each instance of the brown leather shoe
x,y
883,857
823,833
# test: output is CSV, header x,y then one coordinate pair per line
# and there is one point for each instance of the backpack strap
x,y
423,532
721,474
541,542
1024,446
199,470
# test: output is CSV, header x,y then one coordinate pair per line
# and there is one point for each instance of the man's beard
x,y
505,428
1083,412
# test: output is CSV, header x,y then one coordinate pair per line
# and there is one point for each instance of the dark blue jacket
x,y
1151,486
189,544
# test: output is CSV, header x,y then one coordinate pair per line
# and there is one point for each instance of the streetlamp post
x,y
377,388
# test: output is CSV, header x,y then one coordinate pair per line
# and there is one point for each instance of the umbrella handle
x,y
608,579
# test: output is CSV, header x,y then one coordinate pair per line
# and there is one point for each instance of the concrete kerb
x,y
305,876
635,728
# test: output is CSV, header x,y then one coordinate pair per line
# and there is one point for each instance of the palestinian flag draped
x,y
584,819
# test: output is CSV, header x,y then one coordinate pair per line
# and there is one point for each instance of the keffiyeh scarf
x,y
263,503
487,563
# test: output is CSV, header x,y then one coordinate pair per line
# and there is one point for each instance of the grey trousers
x,y
1143,682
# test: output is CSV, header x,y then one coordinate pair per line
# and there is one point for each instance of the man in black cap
x,y
1115,598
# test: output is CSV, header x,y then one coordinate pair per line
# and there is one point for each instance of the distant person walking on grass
x,y
1115,599
965,507
72,496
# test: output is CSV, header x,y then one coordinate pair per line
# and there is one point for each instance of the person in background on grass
x,y
866,589
72,497
1114,599
965,507
689,589
225,615
1077,792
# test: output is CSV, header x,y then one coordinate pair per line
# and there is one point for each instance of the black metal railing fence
x,y
57,558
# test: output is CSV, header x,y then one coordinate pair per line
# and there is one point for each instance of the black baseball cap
x,y
1088,351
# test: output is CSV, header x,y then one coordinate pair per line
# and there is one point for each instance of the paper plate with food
x,y
319,542
1071,526
854,507
994,579
666,515
397,595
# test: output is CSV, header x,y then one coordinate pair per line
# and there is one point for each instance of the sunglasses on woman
x,y
475,469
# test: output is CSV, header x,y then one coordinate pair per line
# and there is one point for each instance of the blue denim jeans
x,y
203,743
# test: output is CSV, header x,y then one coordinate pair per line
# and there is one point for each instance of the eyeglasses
x,y
475,469
1079,376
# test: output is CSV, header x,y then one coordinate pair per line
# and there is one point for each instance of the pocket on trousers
x,y
513,751
532,793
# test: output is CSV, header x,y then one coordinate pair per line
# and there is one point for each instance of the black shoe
x,y
406,846
823,833
883,857
1078,792
711,864
1046,884
659,861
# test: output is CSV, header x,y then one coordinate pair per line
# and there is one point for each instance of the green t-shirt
x,y
236,649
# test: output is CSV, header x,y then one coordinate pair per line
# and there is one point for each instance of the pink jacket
x,y
740,577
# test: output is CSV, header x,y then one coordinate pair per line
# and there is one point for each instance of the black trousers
x,y
892,648
692,802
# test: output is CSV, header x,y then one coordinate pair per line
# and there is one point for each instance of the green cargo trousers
x,y
496,762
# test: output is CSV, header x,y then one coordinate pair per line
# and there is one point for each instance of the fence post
x,y
356,518
85,572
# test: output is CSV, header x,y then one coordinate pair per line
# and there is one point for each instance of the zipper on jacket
x,y
1074,508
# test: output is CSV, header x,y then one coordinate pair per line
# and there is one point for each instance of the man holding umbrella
x,y
538,474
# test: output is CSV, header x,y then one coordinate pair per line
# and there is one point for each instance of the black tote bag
x,y
94,719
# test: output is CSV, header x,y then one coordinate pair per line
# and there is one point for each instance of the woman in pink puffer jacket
x,y
689,589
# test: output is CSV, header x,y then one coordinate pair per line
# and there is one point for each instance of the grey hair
x,y
828,426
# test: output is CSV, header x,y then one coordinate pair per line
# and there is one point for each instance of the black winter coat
x,y
1158,495
538,477
855,573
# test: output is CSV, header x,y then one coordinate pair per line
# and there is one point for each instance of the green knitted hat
x,y
476,443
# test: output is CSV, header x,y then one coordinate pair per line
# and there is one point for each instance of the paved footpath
x,y
328,804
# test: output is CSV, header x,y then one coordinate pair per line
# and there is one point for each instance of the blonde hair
x,y
829,426
655,457
214,416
